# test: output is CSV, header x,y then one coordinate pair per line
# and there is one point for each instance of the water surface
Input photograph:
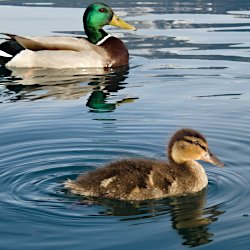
x,y
189,67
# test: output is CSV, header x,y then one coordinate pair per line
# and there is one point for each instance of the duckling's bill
x,y
116,21
211,158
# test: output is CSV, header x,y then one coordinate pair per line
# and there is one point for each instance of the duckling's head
x,y
189,145
98,15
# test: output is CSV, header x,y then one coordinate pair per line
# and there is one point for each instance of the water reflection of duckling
x,y
140,179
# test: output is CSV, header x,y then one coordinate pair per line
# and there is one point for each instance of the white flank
x,y
56,59
4,54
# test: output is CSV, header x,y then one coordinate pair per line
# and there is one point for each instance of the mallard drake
x,y
98,50
140,179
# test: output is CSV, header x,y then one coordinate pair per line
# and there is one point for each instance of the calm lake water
x,y
189,67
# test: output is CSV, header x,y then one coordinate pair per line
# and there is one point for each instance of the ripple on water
x,y
34,168
38,169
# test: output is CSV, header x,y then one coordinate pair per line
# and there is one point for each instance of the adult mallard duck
x,y
98,50
140,179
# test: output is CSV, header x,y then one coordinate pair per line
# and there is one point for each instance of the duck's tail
x,y
8,50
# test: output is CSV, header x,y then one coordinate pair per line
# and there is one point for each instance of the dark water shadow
x,y
188,214
101,85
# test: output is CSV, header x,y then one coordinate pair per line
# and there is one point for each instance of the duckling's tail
x,y
69,184
77,189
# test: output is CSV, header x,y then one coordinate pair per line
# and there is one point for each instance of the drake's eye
x,y
102,10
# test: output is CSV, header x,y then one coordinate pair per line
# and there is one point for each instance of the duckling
x,y
141,179
98,50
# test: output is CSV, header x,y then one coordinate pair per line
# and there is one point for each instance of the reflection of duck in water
x,y
140,179
99,50
67,84
98,101
102,99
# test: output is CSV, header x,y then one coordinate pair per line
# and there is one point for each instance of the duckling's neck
x,y
196,173
94,34
174,159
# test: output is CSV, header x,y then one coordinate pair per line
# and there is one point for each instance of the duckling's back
x,y
136,179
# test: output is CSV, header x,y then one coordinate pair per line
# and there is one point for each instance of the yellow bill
x,y
116,21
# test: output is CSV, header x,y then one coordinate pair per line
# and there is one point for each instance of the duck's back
x,y
136,179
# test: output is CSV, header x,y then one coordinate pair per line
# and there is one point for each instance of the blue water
x,y
189,67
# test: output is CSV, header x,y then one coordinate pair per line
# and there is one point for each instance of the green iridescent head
x,y
98,15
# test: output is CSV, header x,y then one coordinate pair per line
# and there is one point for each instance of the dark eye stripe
x,y
203,147
192,142
189,141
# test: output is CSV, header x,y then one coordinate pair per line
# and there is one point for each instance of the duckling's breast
x,y
198,177
168,180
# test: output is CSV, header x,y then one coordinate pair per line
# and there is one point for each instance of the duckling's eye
x,y
102,10
196,142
